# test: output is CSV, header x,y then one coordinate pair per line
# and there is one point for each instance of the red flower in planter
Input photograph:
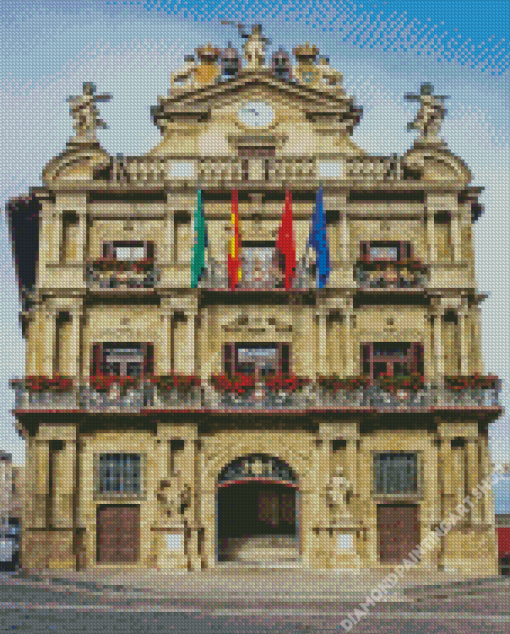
x,y
236,383
286,383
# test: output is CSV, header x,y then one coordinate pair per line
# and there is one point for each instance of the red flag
x,y
285,242
234,270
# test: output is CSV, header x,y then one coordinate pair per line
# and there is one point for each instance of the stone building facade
x,y
136,457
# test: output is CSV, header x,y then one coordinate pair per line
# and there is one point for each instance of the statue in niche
x,y
336,494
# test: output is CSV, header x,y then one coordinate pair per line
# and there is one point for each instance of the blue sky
x,y
383,49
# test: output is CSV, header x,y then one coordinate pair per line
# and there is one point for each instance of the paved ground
x,y
251,602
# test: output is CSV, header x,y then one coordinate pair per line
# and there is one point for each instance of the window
x,y
128,251
248,358
396,473
385,251
119,474
258,266
123,359
391,358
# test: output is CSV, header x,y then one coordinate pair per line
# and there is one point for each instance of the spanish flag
x,y
234,268
285,243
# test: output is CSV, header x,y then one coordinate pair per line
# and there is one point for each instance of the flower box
x,y
335,383
55,383
181,382
389,383
238,383
104,383
286,383
475,381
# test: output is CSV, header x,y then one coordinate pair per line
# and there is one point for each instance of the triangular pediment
x,y
198,103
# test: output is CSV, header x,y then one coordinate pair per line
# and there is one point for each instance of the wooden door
x,y
118,534
398,531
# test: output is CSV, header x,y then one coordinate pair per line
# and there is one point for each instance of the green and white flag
x,y
200,243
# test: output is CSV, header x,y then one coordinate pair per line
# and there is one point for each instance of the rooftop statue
x,y
255,47
430,115
85,113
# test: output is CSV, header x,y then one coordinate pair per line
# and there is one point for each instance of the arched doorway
x,y
257,511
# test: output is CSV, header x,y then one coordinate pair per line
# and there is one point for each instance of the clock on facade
x,y
256,114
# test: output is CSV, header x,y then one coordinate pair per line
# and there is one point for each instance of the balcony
x,y
108,274
390,275
215,278
148,398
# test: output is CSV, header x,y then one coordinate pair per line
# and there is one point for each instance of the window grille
x,y
396,473
119,474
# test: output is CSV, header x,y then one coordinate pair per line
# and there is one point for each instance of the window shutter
x,y
148,248
365,251
417,358
148,359
284,354
108,250
97,359
366,358
228,358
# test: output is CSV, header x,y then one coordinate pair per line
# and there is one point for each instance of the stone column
x,y
349,361
464,355
472,478
169,234
204,360
445,476
438,346
64,483
50,325
455,231
322,336
324,473
31,359
165,354
81,238
311,511
344,234
487,501
191,477
431,238
190,340
307,355
74,349
58,236
40,495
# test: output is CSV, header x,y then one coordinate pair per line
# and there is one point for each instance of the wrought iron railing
x,y
95,278
149,396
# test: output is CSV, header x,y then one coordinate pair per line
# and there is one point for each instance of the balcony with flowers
x,y
109,273
280,391
173,391
45,393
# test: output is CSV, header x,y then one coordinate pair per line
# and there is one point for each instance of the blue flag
x,y
318,240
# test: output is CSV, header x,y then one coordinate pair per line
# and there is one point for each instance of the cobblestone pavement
x,y
249,602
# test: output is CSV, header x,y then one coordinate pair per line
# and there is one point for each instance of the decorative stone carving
x,y
174,498
85,113
336,493
430,115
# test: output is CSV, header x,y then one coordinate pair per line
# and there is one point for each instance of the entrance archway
x,y
257,506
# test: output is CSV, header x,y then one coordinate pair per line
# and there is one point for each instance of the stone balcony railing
x,y
214,170
149,397
389,277
129,279
215,277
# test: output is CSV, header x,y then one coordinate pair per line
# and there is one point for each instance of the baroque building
x,y
255,343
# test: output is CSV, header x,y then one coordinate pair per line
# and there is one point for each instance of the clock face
x,y
256,114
